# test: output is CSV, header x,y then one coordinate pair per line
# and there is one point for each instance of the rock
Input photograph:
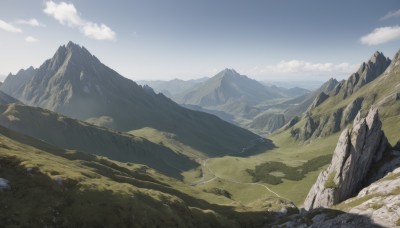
x,y
367,72
4,184
318,100
350,112
356,149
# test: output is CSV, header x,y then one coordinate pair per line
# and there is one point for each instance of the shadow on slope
x,y
68,133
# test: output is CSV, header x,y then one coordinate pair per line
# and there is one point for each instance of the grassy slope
x,y
168,140
68,133
69,188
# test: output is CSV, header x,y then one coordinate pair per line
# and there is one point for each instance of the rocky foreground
x,y
361,186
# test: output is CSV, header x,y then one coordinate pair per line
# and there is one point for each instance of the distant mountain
x,y
308,99
15,83
75,83
306,84
226,86
285,111
173,87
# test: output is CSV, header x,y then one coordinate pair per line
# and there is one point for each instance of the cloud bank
x,y
381,35
66,14
304,68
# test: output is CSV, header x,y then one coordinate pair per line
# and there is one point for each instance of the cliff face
x,y
356,150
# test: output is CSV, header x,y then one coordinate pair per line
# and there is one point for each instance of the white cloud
x,y
66,14
381,35
102,32
9,27
302,68
31,39
32,22
391,14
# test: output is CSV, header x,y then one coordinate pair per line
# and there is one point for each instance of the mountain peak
x,y
73,45
229,71
378,57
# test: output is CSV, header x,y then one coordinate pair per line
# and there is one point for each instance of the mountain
x,y
75,83
225,86
367,72
374,84
15,83
6,99
173,88
308,99
72,134
284,111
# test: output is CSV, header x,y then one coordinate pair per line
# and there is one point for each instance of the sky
x,y
267,40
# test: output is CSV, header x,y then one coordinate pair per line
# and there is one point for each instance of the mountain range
x,y
76,84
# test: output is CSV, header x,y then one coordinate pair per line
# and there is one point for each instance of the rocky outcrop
x,y
367,72
350,112
357,148
306,131
319,99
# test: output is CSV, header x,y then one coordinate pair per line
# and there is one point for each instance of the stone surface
x,y
357,148
319,99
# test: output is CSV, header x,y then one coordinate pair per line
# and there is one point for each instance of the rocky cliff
x,y
356,150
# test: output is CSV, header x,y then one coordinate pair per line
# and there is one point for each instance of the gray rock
x,y
318,100
350,112
357,148
4,184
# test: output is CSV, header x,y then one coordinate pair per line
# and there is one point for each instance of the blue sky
x,y
165,39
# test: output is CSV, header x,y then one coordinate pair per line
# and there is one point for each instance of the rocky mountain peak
x,y
378,58
366,73
228,73
356,150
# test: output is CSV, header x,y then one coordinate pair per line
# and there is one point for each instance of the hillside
x,y
76,84
42,185
68,133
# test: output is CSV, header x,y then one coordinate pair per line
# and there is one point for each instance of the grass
x,y
311,157
168,140
375,206
330,181
73,189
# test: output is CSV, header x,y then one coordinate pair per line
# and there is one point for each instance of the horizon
x,y
194,40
